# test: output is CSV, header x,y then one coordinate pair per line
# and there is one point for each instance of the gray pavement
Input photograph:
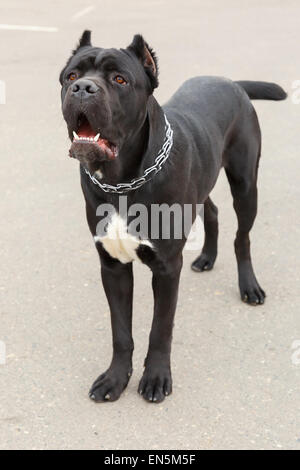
x,y
236,376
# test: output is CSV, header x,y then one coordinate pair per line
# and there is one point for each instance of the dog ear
x,y
84,41
147,57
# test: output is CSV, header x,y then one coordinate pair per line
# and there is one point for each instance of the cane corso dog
x,y
129,145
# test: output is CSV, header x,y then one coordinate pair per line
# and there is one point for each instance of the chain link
x,y
149,173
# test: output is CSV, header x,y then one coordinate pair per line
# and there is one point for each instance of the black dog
x,y
128,144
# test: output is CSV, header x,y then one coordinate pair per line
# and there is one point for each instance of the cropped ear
x,y
84,41
147,57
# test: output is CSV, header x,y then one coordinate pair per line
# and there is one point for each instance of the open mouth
x,y
85,135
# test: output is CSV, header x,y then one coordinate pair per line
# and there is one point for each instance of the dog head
x,y
104,98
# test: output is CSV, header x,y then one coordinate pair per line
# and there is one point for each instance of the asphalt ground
x,y
236,369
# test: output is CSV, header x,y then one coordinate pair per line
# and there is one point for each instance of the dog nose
x,y
84,88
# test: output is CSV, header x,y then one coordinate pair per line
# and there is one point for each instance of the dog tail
x,y
263,90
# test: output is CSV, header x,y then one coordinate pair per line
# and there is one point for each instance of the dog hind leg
x,y
242,177
208,255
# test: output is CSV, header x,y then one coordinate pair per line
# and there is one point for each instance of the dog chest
x,y
118,242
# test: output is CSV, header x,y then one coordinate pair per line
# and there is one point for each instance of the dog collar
x,y
149,173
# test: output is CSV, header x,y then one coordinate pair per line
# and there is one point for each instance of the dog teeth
x,y
87,139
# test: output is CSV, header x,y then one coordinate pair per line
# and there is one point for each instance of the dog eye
x,y
120,80
72,76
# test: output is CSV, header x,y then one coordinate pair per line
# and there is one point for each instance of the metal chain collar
x,y
149,173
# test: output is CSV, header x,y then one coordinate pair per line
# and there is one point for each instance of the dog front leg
x,y
117,281
156,382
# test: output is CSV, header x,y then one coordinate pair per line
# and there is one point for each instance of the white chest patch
x,y
119,243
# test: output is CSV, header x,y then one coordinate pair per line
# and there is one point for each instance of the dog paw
x,y
204,262
109,386
253,294
155,385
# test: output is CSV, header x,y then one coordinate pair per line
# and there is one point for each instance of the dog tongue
x,y
85,130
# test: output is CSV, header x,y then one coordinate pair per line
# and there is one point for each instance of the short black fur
x,y
215,126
